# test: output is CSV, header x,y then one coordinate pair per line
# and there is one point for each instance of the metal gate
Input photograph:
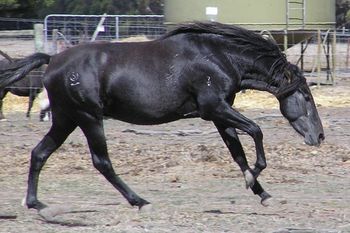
x,y
74,29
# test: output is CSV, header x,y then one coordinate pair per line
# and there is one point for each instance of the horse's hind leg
x,y
44,114
44,106
32,96
2,117
231,139
94,132
60,129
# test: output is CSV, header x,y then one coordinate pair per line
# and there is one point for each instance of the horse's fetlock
x,y
35,204
260,166
249,178
30,202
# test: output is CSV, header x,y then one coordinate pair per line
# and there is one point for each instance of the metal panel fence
x,y
325,57
75,29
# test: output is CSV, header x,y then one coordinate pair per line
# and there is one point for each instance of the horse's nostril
x,y
321,137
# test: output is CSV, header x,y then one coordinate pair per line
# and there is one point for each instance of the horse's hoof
x,y
148,208
266,199
143,203
45,119
249,179
267,202
139,202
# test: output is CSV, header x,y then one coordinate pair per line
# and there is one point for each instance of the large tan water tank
x,y
299,17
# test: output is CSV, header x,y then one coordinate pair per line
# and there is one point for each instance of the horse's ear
x,y
267,36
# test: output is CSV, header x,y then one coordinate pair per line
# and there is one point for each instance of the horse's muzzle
x,y
315,141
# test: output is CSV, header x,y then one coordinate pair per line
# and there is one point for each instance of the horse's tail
x,y
20,68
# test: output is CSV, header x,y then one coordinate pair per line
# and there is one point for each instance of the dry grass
x,y
330,96
13,103
133,39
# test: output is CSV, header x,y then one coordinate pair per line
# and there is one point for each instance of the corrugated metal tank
x,y
274,16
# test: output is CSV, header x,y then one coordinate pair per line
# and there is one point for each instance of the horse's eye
x,y
307,97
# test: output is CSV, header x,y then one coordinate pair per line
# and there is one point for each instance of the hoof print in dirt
x,y
50,212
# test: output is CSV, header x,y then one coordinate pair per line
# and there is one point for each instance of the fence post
x,y
98,28
285,40
117,28
319,42
334,60
302,56
39,37
347,54
54,41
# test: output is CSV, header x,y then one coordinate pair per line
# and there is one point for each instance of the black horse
x,y
30,86
192,71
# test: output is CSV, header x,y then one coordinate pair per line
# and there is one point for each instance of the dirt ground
x,y
185,171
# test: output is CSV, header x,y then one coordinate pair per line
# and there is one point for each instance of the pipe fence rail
x,y
83,28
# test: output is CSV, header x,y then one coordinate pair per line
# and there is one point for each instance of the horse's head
x,y
299,108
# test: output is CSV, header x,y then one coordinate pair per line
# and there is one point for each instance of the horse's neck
x,y
258,79
253,69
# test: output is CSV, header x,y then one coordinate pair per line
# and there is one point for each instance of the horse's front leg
x,y
231,139
252,129
218,110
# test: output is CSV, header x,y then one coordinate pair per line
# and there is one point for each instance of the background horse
x,y
30,86
193,71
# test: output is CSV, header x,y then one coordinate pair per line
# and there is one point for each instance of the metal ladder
x,y
295,14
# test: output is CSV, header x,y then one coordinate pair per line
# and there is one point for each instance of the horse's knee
x,y
42,152
38,158
255,131
101,164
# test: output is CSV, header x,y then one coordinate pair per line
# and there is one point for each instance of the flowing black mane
x,y
248,41
237,35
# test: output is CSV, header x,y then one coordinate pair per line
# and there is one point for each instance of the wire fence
x,y
82,28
